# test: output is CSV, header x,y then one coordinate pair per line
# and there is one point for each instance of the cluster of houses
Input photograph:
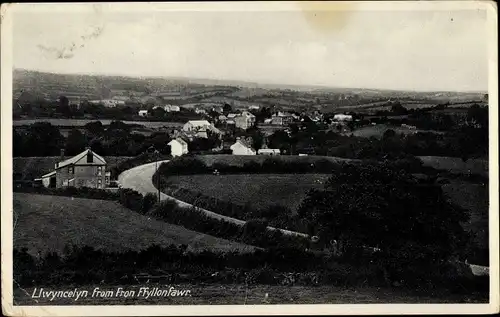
x,y
243,120
88,169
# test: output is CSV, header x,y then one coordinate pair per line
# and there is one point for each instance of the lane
x,y
140,179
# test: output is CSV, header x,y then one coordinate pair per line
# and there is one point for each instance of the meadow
x,y
82,122
239,160
457,165
44,223
259,190
378,130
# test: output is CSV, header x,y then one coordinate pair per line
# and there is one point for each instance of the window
x,y
71,170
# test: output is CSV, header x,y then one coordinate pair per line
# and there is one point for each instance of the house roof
x,y
244,143
75,160
247,114
49,174
199,123
179,140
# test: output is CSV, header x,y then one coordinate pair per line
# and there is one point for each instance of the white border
x,y
318,309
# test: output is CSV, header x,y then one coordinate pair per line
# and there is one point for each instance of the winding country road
x,y
140,178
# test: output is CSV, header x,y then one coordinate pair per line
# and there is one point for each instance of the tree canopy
x,y
376,205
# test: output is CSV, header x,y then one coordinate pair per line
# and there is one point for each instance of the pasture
x,y
475,199
82,122
44,223
29,168
457,165
259,190
239,160
378,130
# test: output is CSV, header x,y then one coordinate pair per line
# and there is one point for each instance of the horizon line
x,y
308,86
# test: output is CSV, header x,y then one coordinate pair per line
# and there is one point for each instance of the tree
x,y
94,128
398,109
376,205
75,143
227,109
43,139
64,106
158,112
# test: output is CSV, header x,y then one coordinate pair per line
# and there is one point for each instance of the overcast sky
x,y
415,50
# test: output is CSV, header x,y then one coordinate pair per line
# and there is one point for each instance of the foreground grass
x,y
239,160
457,165
475,199
238,294
261,190
45,223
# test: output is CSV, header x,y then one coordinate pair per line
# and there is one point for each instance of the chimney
x,y
90,155
62,155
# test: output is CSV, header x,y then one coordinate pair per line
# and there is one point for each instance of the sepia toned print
x,y
253,158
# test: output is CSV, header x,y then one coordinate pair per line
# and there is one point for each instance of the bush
x,y
81,192
131,199
148,201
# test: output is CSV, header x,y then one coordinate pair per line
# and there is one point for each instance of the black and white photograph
x,y
214,158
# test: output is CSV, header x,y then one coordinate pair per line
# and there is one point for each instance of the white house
x,y
342,117
269,152
173,109
245,120
197,125
143,113
241,147
178,147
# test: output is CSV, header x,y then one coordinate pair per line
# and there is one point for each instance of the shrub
x,y
148,201
131,199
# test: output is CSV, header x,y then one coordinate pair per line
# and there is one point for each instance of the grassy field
x,y
378,130
82,122
29,168
457,165
239,160
261,190
46,223
237,294
474,198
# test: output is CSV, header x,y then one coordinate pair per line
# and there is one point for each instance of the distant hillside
x,y
51,86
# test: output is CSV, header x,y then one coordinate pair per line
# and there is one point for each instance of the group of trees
x,y
376,205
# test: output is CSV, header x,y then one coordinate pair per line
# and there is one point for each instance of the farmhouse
x,y
268,152
86,169
241,147
282,118
143,113
245,120
108,103
178,147
172,108
195,126
342,117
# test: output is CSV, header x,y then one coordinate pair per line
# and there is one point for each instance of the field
x,y
457,165
239,160
474,198
236,294
82,122
29,168
261,190
46,223
378,130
